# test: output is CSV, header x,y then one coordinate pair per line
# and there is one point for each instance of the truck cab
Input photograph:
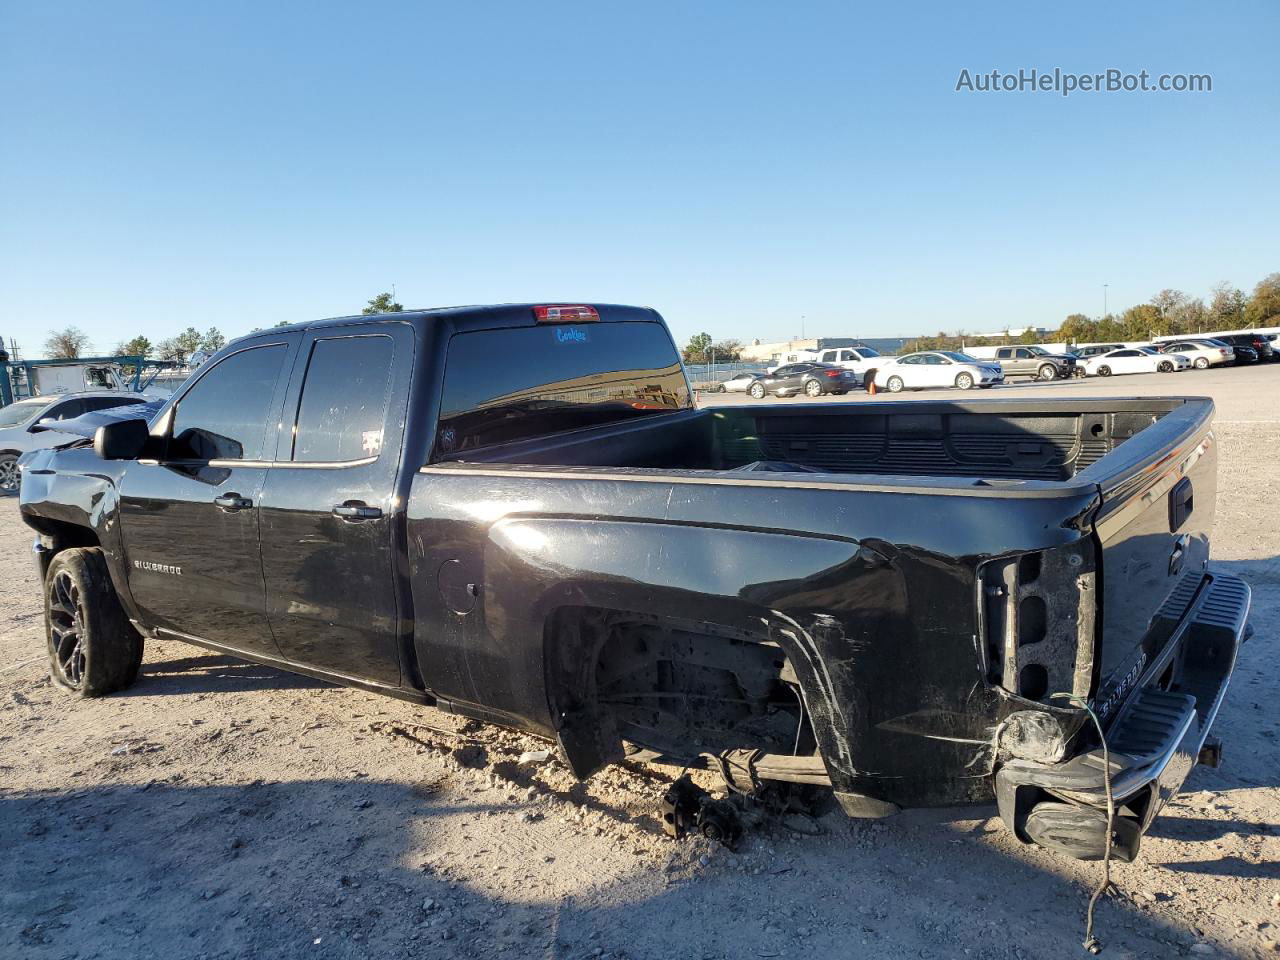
x,y
861,360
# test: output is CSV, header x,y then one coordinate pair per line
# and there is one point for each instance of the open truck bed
x,y
951,582
915,603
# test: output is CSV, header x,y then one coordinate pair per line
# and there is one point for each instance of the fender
x,y
822,600
85,512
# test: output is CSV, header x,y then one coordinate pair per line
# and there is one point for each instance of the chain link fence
x,y
709,376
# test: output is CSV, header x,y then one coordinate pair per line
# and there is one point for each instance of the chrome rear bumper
x,y
1153,742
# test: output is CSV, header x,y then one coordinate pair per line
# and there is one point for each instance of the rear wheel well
x,y
680,688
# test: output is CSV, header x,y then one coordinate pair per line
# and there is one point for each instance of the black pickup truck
x,y
516,513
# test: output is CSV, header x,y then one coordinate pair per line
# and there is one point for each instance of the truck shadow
x,y
354,868
213,673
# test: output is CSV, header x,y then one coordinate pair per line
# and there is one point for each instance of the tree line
x,y
1168,313
71,343
701,349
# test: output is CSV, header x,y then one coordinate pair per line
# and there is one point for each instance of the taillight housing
x,y
565,313
833,373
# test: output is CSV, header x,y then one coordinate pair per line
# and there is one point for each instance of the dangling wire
x,y
1090,942
800,724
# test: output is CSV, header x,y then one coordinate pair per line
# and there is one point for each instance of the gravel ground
x,y
220,809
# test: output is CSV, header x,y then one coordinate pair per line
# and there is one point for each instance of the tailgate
x,y
1152,530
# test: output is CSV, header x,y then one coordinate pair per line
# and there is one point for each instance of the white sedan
x,y
737,383
937,368
1134,360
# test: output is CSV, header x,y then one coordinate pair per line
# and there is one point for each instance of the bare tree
x,y
66,344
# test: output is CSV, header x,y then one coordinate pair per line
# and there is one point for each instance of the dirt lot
x,y
220,809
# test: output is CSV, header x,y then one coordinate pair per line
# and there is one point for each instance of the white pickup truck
x,y
864,361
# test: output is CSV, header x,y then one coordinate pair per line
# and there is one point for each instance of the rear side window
x,y
65,410
515,384
224,416
344,400
106,403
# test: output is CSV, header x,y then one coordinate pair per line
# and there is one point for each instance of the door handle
x,y
231,502
355,511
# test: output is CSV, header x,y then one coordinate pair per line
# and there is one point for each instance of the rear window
x,y
515,384
344,400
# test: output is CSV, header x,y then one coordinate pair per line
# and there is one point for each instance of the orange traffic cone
x,y
871,388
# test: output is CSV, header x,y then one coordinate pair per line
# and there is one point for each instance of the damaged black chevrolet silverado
x,y
517,514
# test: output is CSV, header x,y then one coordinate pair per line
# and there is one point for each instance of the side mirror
x,y
121,440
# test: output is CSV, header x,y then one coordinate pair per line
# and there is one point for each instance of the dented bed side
x,y
870,598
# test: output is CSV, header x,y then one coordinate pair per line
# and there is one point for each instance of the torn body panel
x,y
870,647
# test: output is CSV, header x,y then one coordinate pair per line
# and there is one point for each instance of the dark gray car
x,y
18,425
811,379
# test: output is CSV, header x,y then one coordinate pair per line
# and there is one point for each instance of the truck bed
x,y
1043,528
1047,440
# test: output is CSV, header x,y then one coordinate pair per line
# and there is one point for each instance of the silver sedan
x,y
18,422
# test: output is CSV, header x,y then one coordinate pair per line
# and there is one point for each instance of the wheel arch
x,y
75,509
547,578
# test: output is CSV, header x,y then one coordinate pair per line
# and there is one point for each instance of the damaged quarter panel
x,y
874,606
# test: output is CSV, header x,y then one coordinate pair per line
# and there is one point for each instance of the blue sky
x,y
735,165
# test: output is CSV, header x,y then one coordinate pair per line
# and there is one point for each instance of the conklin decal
x,y
158,567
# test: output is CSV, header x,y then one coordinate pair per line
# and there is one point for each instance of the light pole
x,y
1104,301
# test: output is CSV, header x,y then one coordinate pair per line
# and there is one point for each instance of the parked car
x,y
1135,360
1034,361
811,379
22,425
738,383
1095,350
1256,342
1201,353
861,596
937,368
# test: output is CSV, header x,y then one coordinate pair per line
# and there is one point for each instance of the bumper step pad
x,y
1153,743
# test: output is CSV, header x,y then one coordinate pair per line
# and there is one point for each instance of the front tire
x,y
1165,366
10,476
93,649
1048,372
1202,363
964,381
1104,371
757,391
813,389
895,384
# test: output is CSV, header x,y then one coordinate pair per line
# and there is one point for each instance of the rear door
x,y
189,520
329,508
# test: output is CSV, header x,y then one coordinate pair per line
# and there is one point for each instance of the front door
x,y
189,520
329,508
